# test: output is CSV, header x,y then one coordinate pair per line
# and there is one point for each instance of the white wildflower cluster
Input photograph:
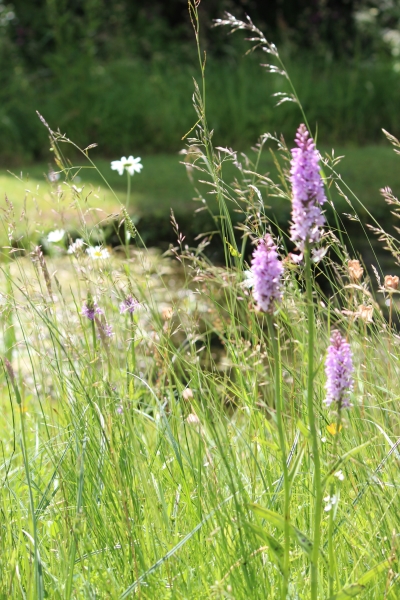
x,y
76,247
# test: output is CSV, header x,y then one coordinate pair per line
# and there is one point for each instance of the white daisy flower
x,y
97,252
132,165
55,236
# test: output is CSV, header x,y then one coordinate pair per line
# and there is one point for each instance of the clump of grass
x,y
163,437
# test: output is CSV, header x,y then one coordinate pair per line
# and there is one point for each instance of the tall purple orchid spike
x,y
267,272
339,370
308,192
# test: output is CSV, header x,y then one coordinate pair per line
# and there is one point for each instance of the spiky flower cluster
x,y
90,309
130,304
308,192
267,272
339,371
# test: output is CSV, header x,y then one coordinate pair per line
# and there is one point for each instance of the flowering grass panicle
x,y
267,272
308,192
338,370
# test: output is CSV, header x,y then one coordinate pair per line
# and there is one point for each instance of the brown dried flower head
x,y
192,419
365,313
167,313
187,394
355,270
391,282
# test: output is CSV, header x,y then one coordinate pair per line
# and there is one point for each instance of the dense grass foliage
x,y
162,437
148,103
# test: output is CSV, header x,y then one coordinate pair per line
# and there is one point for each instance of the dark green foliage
x,y
119,74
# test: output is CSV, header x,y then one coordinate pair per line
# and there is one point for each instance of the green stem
x,y
94,338
313,431
332,559
133,355
282,443
37,561
128,192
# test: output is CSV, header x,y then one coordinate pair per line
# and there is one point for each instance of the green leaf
x,y
296,465
279,522
274,546
272,517
382,566
303,429
343,459
350,591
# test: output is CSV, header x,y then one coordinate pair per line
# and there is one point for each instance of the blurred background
x,y
119,74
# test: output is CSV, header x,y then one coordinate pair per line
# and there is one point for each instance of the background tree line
x,y
120,73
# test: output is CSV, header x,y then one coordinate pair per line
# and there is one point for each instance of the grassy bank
x,y
164,184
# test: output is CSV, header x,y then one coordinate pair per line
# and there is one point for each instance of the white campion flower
x,y
330,502
132,165
97,252
55,236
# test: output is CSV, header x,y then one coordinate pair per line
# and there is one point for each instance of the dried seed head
x,y
365,313
391,282
10,370
167,313
355,270
187,394
192,419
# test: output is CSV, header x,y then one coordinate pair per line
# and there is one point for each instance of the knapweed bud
x,y
391,283
338,370
308,193
355,271
267,272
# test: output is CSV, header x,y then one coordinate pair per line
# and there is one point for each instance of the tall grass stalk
x,y
274,336
313,427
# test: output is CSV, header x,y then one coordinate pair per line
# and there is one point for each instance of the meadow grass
x,y
164,184
147,459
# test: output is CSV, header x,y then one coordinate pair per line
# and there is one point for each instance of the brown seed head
x,y
365,313
391,282
192,419
167,313
355,270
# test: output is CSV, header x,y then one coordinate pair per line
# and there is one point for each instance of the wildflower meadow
x,y
177,427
